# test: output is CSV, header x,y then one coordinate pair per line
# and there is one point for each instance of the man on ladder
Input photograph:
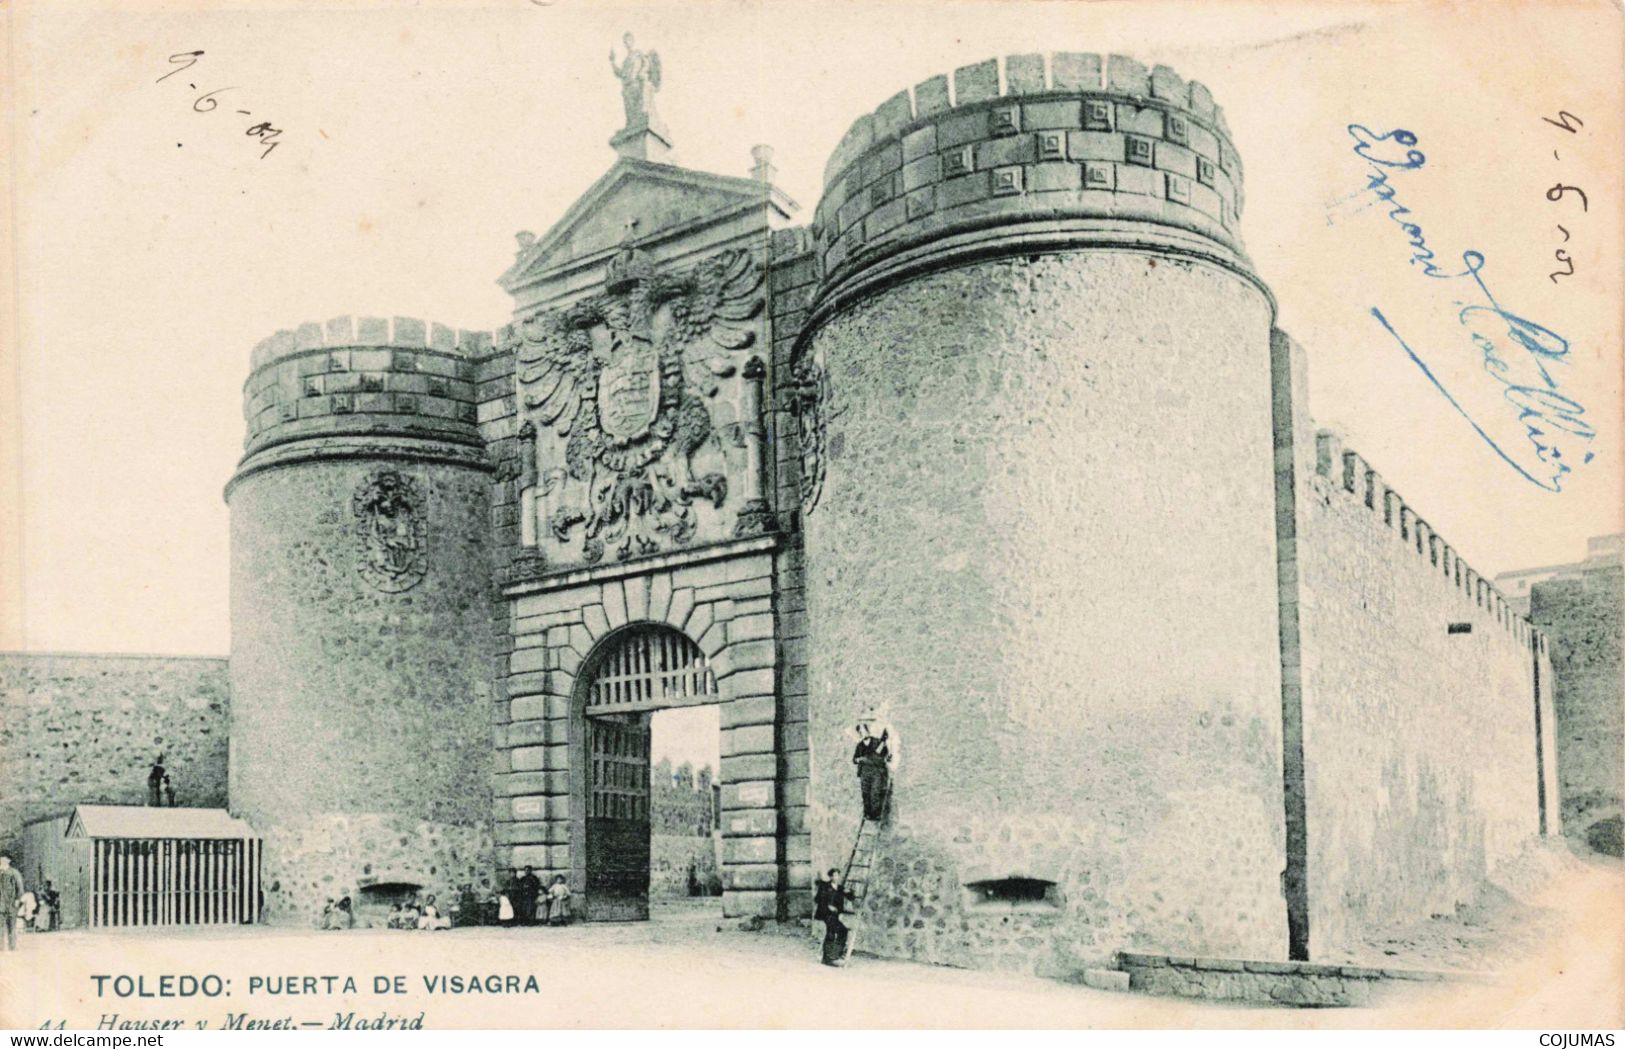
x,y
876,761
875,757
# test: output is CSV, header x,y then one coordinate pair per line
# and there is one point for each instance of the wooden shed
x,y
123,866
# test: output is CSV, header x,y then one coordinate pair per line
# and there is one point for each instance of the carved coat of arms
x,y
809,402
390,532
624,378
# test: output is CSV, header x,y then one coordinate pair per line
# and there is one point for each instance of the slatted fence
x,y
174,881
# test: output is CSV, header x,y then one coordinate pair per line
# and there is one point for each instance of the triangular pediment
x,y
659,198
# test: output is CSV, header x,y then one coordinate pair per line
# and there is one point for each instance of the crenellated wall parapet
x,y
362,379
1103,143
1347,473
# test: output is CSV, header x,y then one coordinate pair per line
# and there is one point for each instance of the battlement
x,y
1020,76
1059,136
401,332
1347,472
364,376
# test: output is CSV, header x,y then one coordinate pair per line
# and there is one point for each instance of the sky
x,y
691,734
152,245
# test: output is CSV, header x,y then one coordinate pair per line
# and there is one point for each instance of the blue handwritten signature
x,y
1553,422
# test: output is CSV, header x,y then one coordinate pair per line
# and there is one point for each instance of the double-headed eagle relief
x,y
627,378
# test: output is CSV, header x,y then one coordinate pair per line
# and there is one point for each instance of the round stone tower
x,y
1040,538
361,615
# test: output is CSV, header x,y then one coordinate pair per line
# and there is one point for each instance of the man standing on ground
x,y
830,903
53,900
155,783
11,890
526,888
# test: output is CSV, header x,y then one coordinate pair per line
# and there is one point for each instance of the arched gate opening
x,y
634,673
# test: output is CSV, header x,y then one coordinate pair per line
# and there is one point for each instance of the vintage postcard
x,y
545,514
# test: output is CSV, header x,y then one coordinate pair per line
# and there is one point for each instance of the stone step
x,y
1106,979
1272,982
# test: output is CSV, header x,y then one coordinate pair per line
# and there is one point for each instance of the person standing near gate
x,y
558,901
45,917
53,900
27,910
155,783
526,888
11,891
876,759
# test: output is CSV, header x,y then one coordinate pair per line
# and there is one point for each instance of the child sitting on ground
x,y
431,917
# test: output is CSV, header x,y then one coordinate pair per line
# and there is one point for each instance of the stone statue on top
x,y
639,73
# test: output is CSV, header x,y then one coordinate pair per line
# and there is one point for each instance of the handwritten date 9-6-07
x,y
262,132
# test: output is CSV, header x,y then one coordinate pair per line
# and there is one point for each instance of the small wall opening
x,y
1016,892
373,902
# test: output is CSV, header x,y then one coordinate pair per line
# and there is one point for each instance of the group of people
x,y
21,906
41,911
411,916
339,915
525,904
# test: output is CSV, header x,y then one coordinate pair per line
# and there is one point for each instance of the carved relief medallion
x,y
390,532
810,404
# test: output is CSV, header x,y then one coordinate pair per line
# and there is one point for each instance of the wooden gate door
x,y
618,818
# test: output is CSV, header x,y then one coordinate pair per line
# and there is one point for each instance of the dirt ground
x,y
1556,943
1516,912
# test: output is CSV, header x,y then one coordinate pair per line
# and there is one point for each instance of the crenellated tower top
x,y
1031,149
344,387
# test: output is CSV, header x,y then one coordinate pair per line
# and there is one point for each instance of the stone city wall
x,y
674,858
86,728
679,801
683,842
338,854
1423,767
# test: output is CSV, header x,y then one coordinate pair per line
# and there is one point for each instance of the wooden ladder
x,y
855,879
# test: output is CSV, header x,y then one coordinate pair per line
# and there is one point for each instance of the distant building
x,y
1602,551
